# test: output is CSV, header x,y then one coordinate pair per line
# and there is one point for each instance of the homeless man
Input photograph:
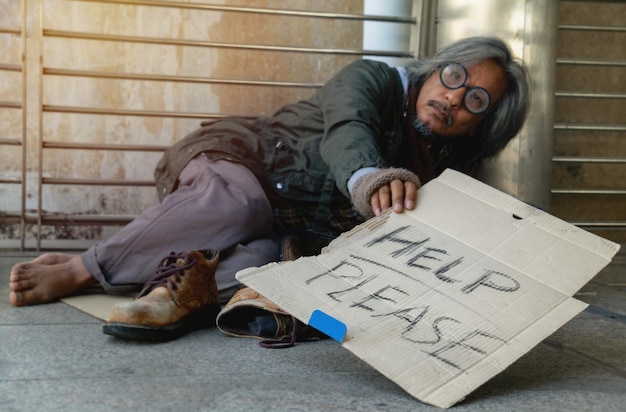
x,y
361,144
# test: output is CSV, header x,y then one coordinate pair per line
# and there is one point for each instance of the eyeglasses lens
x,y
453,76
476,100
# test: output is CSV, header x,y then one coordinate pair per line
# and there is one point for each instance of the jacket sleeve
x,y
353,104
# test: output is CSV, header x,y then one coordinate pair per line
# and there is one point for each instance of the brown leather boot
x,y
181,297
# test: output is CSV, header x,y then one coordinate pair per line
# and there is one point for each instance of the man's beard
x,y
423,129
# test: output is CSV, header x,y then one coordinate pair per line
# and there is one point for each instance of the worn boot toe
x,y
180,298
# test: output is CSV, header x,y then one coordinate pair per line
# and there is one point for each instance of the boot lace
x,y
287,342
169,271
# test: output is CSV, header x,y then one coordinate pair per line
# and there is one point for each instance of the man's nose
x,y
455,97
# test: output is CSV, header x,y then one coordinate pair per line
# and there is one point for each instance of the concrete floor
x,y
54,357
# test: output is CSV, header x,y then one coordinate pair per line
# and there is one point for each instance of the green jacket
x,y
308,150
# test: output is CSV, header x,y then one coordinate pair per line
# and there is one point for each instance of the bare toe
x,y
15,298
18,270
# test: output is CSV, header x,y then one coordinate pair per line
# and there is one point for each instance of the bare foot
x,y
47,278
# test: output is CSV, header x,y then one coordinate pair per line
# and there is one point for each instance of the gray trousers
x,y
218,205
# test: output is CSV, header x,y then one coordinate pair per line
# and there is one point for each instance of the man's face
x,y
442,110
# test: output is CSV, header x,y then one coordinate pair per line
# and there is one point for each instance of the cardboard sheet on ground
x,y
98,305
442,298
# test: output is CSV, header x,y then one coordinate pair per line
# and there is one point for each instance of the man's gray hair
x,y
506,119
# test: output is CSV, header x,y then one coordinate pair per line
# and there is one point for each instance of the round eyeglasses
x,y
476,99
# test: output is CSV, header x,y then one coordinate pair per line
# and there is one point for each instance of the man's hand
x,y
383,189
397,194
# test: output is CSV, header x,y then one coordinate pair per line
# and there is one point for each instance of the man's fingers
x,y
375,203
397,195
410,195
383,198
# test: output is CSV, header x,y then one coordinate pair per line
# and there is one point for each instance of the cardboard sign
x,y
442,298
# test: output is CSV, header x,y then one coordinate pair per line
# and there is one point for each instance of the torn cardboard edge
x,y
442,298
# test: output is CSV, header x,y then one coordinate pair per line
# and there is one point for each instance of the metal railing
x,y
617,62
17,217
40,217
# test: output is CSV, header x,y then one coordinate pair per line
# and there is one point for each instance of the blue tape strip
x,y
328,325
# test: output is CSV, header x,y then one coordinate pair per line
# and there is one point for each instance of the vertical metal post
x,y
40,124
24,129
424,39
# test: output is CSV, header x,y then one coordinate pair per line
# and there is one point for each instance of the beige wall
x,y
129,57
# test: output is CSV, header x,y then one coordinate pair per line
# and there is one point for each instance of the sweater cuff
x,y
358,174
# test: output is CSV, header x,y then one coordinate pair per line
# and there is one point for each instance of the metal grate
x,y
39,218
19,107
575,192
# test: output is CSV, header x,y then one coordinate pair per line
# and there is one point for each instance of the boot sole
x,y
200,320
